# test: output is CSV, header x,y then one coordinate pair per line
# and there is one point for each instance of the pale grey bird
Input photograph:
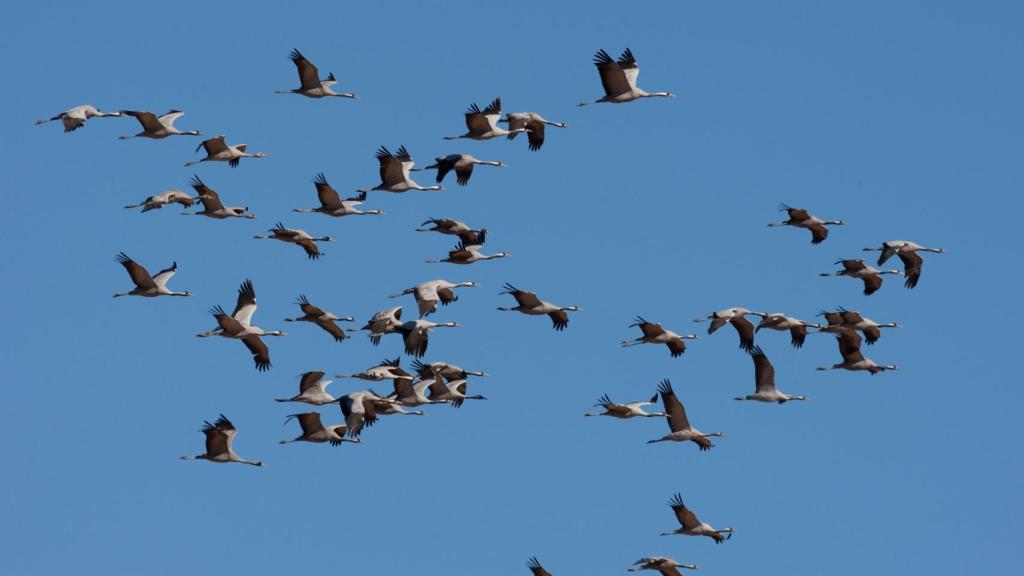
x,y
75,118
533,123
666,566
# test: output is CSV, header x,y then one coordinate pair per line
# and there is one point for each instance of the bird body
x,y
800,218
680,429
661,564
468,253
454,392
483,124
908,254
531,305
158,201
385,370
238,326
654,333
312,390
764,380
410,394
849,348
736,317
462,164
218,151
626,411
416,334
298,237
797,328
314,430
871,330
856,268
429,293
146,285
212,206
360,411
158,127
394,172
312,86
449,371
219,439
534,125
383,322
618,77
690,525
327,321
75,118
467,235
331,203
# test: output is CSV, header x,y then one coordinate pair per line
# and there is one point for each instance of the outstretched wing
x,y
629,67
147,119
163,276
535,134
308,74
310,380
260,352
209,198
391,171
245,306
560,318
745,329
675,413
214,145
912,262
525,299
764,372
534,565
613,78
686,518
312,250
329,198
139,275
476,122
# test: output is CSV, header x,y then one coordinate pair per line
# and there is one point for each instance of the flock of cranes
x,y
442,383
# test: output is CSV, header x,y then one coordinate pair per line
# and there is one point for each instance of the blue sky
x,y
903,119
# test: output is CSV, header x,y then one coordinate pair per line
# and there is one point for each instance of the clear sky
x,y
902,118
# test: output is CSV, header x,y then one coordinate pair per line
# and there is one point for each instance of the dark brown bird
x,y
849,348
467,235
654,333
219,437
856,268
325,320
800,218
296,236
534,124
313,430
690,525
736,317
678,423
312,85
530,304
461,163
